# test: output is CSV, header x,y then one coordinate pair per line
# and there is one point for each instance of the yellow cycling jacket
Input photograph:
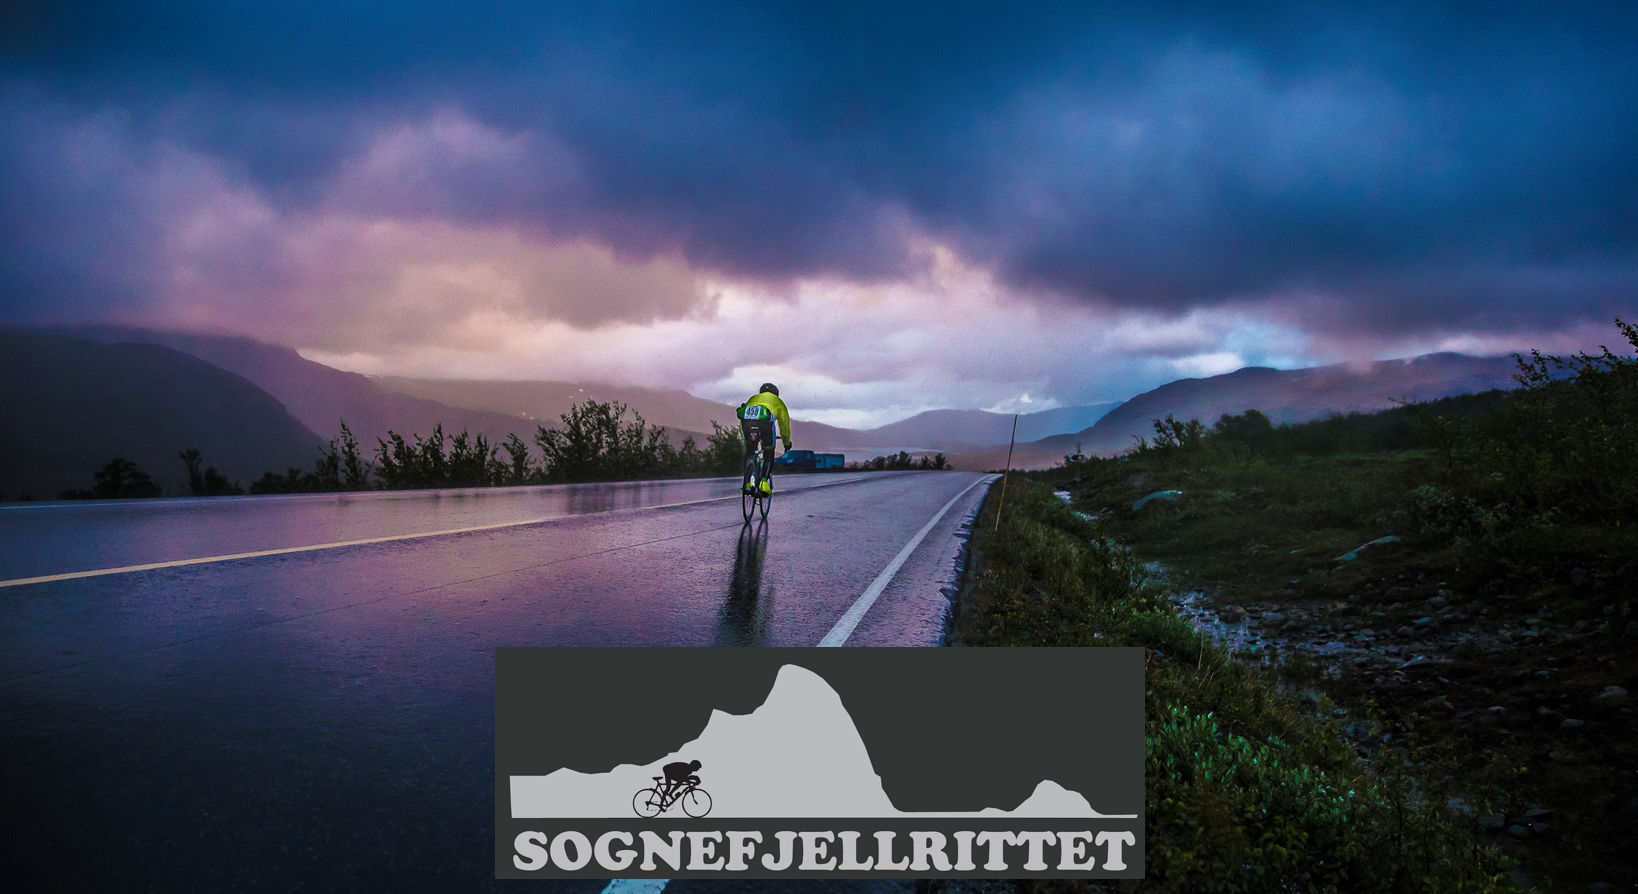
x,y
775,406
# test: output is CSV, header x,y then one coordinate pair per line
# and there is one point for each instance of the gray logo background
x,y
946,729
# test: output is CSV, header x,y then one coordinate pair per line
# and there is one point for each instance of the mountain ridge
x,y
1285,396
81,403
751,764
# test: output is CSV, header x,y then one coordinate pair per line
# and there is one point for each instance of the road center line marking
x,y
856,612
206,560
342,544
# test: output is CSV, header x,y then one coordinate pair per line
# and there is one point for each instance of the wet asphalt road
x,y
324,719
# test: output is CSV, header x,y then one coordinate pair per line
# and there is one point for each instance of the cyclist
x,y
679,774
758,415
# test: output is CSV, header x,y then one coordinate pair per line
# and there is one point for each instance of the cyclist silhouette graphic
x,y
678,785
680,774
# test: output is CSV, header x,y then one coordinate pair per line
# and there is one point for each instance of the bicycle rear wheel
x,y
647,803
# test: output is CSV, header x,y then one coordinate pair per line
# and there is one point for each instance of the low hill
x,y
966,429
72,404
321,396
546,401
1285,396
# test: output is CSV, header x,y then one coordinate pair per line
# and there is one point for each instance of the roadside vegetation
x,y
903,462
1251,787
1386,652
597,441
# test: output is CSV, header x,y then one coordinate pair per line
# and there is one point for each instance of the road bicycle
x,y
757,469
696,801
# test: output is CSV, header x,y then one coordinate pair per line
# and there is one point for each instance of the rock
x,y
1518,831
1405,631
1613,695
1495,822
1538,813
1353,554
1579,577
1232,614
1273,618
1599,888
1537,828
1167,495
1441,702
1423,621
1570,723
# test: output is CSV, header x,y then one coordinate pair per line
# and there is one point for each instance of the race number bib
x,y
755,411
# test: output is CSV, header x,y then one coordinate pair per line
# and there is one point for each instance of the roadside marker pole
x,y
1001,501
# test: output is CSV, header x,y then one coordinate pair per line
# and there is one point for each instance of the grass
x,y
1252,786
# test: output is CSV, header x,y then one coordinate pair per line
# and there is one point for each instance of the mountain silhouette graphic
x,y
798,756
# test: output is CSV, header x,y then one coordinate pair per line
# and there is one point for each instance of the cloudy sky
x,y
882,207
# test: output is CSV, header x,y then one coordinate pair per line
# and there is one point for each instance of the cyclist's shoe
x,y
746,488
767,487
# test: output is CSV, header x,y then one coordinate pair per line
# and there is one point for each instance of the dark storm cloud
x,y
1423,164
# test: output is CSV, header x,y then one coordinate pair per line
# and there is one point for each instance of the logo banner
x,y
818,763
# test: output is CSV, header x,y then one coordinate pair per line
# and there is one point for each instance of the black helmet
x,y
769,388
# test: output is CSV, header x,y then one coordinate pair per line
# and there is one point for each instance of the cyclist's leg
x,y
748,433
767,434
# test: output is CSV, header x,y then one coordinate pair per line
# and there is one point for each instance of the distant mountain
x,y
320,396
72,404
546,401
965,429
1285,396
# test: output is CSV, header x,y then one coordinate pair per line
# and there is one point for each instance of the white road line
x,y
257,554
206,560
856,612
342,544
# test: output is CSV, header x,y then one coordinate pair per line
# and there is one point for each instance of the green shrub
x,y
1248,789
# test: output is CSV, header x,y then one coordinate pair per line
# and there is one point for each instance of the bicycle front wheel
x,y
766,500
696,803
647,803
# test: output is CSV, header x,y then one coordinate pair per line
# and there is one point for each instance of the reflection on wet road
x,y
325,719
745,611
